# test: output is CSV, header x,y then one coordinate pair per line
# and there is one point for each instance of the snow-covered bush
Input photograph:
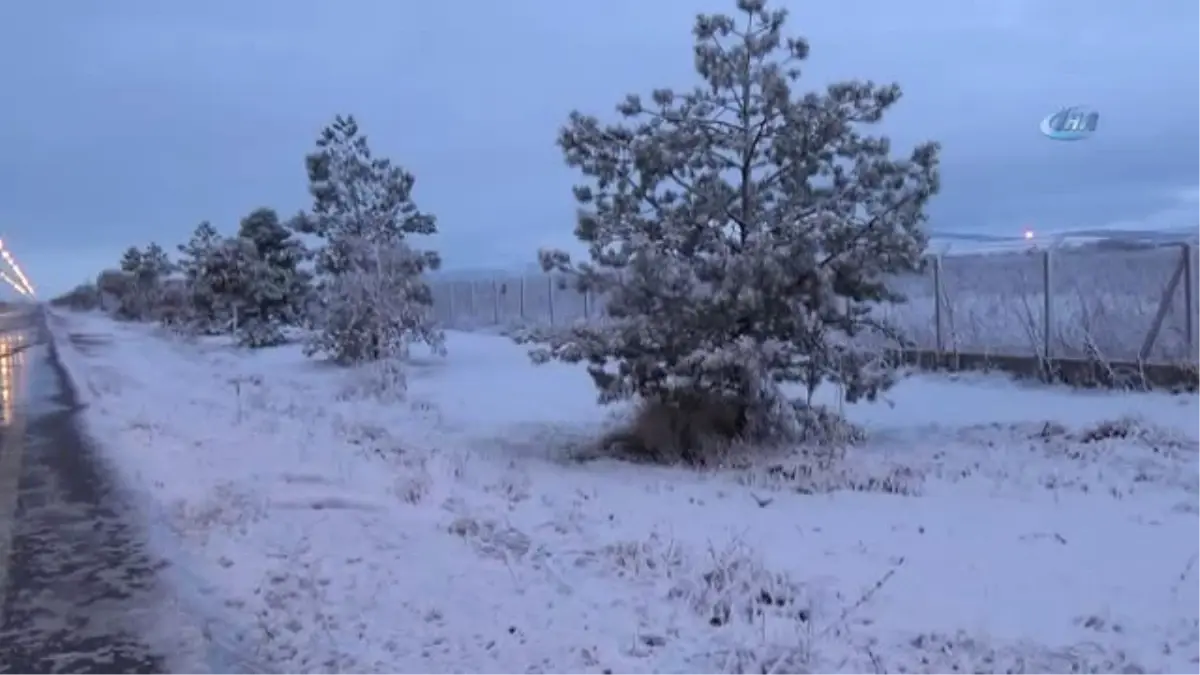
x,y
171,308
377,306
372,300
140,287
737,231
112,285
250,285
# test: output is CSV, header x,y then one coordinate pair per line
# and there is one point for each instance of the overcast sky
x,y
127,121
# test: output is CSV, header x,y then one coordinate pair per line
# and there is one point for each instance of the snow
x,y
315,529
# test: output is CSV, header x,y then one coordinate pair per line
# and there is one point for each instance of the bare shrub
x,y
702,430
1119,428
708,434
736,587
962,652
694,431
811,474
820,426
1132,428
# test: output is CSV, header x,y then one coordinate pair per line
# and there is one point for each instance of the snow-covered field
x,y
985,526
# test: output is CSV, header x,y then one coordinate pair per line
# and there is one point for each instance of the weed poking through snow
x,y
241,385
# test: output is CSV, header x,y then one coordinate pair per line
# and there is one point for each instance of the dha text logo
x,y
1070,124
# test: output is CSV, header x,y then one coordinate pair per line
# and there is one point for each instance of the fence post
x,y
550,295
521,300
939,340
1189,299
1047,304
1164,307
495,302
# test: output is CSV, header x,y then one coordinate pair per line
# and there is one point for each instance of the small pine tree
x,y
204,238
131,261
202,288
738,231
240,280
277,285
150,280
220,287
147,269
155,264
372,300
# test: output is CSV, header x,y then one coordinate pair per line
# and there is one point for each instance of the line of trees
x,y
345,272
738,230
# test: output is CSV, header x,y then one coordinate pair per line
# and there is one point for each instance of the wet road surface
x,y
76,582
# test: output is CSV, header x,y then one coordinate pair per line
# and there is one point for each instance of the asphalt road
x,y
76,581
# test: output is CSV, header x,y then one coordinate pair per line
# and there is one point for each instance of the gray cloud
x,y
130,121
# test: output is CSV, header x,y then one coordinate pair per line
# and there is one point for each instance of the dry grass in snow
x,y
983,527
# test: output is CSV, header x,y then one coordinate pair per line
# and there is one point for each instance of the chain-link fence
x,y
1114,305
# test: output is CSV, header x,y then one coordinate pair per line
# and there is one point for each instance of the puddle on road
x,y
15,349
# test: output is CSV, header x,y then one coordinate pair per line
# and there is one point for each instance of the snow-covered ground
x,y
986,526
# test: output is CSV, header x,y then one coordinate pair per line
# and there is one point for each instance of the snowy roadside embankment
x,y
984,527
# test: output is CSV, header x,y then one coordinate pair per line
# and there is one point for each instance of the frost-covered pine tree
x,y
155,265
372,299
204,238
251,289
131,260
738,230
130,304
224,289
147,269
273,285
250,285
201,285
